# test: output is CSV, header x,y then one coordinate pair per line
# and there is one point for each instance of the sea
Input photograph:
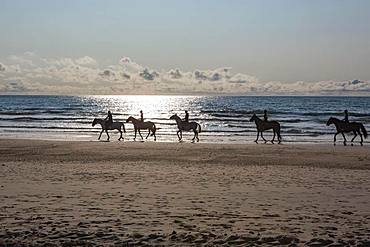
x,y
224,119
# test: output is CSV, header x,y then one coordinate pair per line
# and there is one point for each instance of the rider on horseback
x,y
109,120
141,116
346,116
265,118
186,119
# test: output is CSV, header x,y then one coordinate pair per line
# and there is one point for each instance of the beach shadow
x,y
103,140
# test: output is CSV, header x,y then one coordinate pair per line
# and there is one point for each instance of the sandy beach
x,y
178,194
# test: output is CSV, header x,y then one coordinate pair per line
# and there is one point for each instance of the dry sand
x,y
179,194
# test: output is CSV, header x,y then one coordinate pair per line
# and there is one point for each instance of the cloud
x,y
2,67
175,74
86,60
30,73
107,73
149,75
242,78
127,64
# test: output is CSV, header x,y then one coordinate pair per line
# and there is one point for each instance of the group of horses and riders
x,y
139,124
342,126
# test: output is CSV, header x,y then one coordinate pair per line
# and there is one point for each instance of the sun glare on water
x,y
153,106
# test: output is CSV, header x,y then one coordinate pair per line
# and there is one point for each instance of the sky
x,y
185,47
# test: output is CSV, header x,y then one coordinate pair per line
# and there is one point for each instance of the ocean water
x,y
224,119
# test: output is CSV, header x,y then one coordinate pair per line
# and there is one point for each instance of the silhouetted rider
x,y
346,116
265,115
186,120
109,119
141,116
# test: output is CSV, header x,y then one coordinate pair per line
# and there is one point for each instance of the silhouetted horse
x,y
343,127
266,125
113,126
185,126
138,125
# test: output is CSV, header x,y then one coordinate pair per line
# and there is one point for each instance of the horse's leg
x,y
180,135
195,133
258,135
135,134
345,140
359,132
101,132
354,132
106,131
148,134
140,134
263,138
120,137
177,133
197,136
273,138
335,137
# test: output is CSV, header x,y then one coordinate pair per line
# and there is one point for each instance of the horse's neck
x,y
132,119
135,121
336,121
179,121
258,120
101,122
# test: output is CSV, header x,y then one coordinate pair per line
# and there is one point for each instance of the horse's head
x,y
129,119
253,118
174,116
330,121
95,121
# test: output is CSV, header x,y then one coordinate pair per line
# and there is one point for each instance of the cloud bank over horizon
x,y
30,73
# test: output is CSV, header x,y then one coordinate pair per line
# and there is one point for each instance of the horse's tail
x,y
363,130
199,128
123,126
153,130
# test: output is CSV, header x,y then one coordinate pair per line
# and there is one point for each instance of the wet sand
x,y
180,194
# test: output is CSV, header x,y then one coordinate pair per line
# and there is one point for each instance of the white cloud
x,y
86,60
30,73
2,67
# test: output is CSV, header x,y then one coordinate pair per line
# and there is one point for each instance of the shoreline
x,y
315,155
88,138
181,194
